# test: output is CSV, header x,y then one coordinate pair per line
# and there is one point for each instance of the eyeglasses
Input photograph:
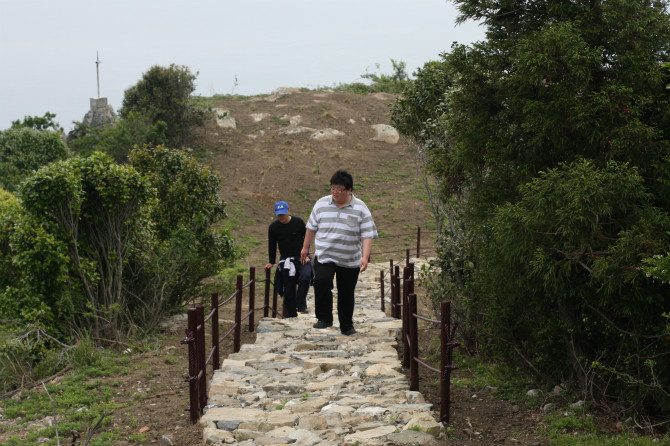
x,y
338,190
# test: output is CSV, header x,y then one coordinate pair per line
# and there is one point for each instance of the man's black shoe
x,y
303,310
322,324
349,332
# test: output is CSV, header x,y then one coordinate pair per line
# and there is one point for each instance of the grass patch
x,y
79,401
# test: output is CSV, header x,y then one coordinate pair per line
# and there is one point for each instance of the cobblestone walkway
x,y
304,386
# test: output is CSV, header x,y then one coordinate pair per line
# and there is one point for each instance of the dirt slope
x,y
280,150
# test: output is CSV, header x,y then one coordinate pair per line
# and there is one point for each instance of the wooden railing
x,y
195,335
199,358
380,246
404,305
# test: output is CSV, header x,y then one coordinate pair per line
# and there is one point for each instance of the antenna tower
x,y
97,71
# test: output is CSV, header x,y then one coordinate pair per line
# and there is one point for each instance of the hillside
x,y
286,145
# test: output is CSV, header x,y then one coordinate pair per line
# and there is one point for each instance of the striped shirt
x,y
340,231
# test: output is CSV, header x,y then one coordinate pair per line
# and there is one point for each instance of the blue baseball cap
x,y
281,207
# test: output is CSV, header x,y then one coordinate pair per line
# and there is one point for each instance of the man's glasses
x,y
338,190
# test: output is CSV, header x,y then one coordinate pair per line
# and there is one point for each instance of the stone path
x,y
304,386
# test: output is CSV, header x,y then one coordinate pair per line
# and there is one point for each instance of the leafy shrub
x,y
164,95
45,122
23,150
568,257
379,82
134,130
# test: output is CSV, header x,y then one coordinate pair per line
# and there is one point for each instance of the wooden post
x,y
200,350
192,366
266,302
395,309
413,344
418,242
238,315
216,358
252,297
405,317
445,364
381,289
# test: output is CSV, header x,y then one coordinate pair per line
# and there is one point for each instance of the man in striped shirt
x,y
342,229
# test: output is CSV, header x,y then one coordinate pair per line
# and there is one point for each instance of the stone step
x,y
304,386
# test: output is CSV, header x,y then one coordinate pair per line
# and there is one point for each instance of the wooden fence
x,y
404,305
199,358
195,335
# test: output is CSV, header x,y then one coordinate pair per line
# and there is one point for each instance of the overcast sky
x,y
48,47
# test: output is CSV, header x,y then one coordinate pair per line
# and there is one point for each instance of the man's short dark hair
x,y
342,178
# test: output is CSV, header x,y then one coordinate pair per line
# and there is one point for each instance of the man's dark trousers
x,y
346,279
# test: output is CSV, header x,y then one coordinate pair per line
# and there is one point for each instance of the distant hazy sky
x,y
48,47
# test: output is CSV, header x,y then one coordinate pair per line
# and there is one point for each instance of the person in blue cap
x,y
288,232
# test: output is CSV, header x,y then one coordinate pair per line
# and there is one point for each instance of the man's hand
x,y
364,264
303,255
269,265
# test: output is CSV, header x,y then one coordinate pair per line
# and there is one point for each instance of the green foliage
x,y
548,263
569,255
90,397
117,245
164,95
379,82
134,130
421,102
23,150
93,208
186,247
45,122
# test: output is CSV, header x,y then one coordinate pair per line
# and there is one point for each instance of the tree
x,y
555,83
186,248
94,206
164,95
45,122
117,141
569,256
106,249
23,150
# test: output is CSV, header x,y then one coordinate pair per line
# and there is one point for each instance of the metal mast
x,y
97,71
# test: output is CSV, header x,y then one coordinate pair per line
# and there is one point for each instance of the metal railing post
x,y
238,315
266,301
413,344
216,357
252,297
396,294
418,242
381,289
200,350
192,378
445,365
405,317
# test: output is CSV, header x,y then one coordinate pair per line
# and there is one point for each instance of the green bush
x,y
134,130
45,122
23,150
164,95
379,82
568,257
103,249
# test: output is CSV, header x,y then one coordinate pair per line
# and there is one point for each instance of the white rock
x,y
385,133
326,134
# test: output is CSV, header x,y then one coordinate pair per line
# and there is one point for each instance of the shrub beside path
x,y
305,386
